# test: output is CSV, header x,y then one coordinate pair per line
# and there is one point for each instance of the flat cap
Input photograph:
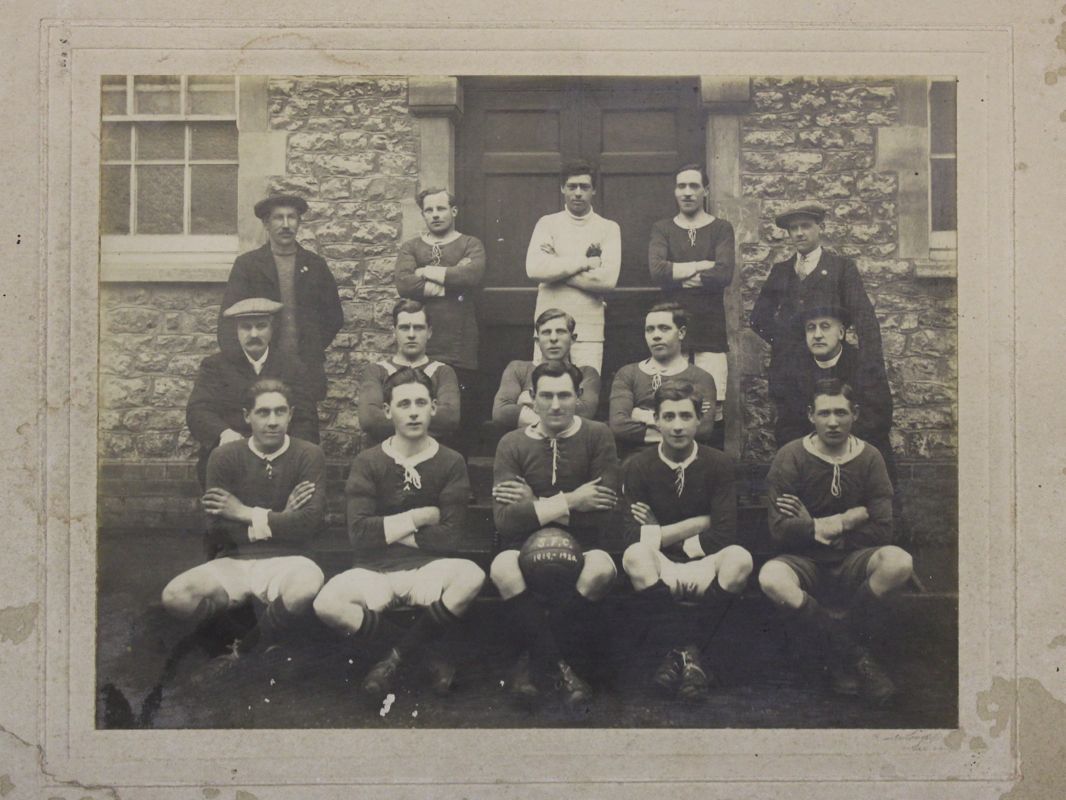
x,y
266,205
805,315
815,211
252,307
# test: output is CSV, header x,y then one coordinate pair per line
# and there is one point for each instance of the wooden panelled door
x,y
513,138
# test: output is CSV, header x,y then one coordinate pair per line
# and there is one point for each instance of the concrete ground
x,y
767,679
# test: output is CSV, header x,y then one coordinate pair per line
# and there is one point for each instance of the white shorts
x,y
691,579
379,591
247,578
718,365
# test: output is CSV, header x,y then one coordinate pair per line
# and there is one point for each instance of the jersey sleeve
x,y
366,527
447,535
589,402
372,417
787,532
303,523
446,420
724,257
623,394
505,408
408,284
471,275
722,490
515,521
877,531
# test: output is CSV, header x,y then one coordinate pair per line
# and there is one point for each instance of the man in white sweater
x,y
575,255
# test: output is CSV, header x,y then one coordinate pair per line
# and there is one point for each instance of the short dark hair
x,y
405,375
678,390
264,386
572,168
833,387
406,306
422,195
675,310
702,170
556,369
554,313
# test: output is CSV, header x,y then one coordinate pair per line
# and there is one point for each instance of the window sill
x,y
177,260
936,268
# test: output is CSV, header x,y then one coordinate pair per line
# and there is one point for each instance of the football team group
x,y
653,476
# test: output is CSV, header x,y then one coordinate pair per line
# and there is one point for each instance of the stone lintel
x,y
434,96
725,95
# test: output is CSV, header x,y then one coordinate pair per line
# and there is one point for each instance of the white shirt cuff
x,y
652,535
260,527
692,547
828,526
552,509
435,274
397,526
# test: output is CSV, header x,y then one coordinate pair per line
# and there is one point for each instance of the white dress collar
x,y
268,457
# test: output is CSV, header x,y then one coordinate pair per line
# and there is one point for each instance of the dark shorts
x,y
837,580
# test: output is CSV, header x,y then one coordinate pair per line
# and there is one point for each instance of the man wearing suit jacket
x,y
283,271
812,277
215,411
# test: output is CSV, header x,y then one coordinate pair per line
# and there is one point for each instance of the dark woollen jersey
x,y
709,490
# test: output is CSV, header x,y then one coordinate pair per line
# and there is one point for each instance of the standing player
x,y
406,515
576,255
445,269
282,270
692,257
632,410
265,500
560,472
682,499
413,333
830,513
513,406
811,277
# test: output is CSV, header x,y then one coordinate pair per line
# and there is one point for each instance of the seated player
x,y
413,332
830,356
560,472
215,412
684,506
265,500
513,406
830,513
632,413
406,513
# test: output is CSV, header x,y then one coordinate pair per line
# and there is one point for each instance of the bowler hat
x,y
266,205
815,211
252,307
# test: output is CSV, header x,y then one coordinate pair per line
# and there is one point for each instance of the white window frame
x,y
168,257
943,245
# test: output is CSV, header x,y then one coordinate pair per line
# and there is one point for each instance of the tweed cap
x,y
252,307
815,211
268,204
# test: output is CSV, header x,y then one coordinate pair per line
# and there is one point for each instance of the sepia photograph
x,y
517,402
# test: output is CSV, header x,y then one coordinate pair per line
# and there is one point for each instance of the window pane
x,y
942,116
160,199
943,194
157,94
113,96
214,198
211,94
213,140
115,200
158,140
115,141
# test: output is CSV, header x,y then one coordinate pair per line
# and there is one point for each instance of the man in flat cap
x,y
811,277
215,411
283,271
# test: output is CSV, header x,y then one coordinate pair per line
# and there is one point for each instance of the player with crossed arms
x,y
559,474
